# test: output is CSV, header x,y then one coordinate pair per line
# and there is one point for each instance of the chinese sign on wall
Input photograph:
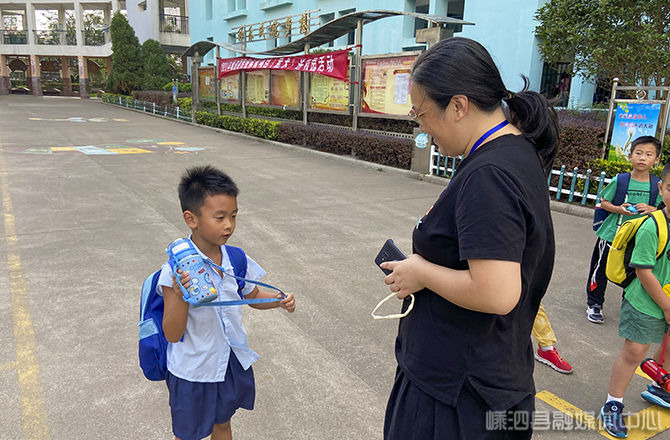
x,y
632,121
386,85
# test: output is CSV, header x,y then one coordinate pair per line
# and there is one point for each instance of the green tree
x,y
627,39
157,71
93,28
126,73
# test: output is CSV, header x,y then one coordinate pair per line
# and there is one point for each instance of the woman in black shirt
x,y
482,256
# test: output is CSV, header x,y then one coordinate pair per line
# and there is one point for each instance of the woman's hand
x,y
406,277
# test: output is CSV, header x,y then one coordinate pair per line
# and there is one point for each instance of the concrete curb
x,y
565,208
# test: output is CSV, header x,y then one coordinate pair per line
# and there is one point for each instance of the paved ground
x,y
84,223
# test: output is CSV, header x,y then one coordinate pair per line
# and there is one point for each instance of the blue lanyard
x,y
486,135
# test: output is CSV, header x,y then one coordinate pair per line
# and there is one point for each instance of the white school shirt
x,y
212,331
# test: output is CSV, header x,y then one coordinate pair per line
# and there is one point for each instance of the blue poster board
x,y
632,121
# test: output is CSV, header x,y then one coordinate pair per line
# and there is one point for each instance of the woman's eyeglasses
x,y
416,114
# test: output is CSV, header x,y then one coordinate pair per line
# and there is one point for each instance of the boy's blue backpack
x,y
622,181
153,345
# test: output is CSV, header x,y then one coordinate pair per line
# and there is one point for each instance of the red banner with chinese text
x,y
334,64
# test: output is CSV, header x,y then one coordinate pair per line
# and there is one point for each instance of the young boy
x,y
645,153
644,312
208,356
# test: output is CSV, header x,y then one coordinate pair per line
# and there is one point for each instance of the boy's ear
x,y
190,219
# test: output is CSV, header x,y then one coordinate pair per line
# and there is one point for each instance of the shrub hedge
x,y
384,150
159,97
255,127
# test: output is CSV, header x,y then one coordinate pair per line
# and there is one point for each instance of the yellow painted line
x,y
120,120
129,150
169,143
640,373
641,425
63,149
34,119
33,414
567,408
8,366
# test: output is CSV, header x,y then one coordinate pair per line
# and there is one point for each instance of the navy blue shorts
x,y
197,406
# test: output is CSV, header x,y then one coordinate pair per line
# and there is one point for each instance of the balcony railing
x,y
14,37
55,37
177,24
96,37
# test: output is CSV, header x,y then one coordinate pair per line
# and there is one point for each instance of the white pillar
x,y
107,19
62,26
30,23
79,23
581,92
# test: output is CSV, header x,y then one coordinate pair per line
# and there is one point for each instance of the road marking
x,y
8,366
31,396
641,425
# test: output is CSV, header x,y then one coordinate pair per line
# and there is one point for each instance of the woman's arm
x,y
489,286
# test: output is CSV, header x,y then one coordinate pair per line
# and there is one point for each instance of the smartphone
x,y
389,252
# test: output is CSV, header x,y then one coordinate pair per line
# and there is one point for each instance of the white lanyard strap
x,y
396,316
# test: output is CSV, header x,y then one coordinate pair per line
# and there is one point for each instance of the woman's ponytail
x,y
531,113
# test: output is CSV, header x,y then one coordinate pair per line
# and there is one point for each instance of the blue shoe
x,y
595,314
612,417
657,396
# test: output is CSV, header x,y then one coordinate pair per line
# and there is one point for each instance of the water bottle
x,y
183,255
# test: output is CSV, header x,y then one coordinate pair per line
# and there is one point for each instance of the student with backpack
x,y
644,317
627,196
209,374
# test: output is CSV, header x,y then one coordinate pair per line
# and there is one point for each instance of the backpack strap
x,y
662,230
653,189
622,181
148,291
238,260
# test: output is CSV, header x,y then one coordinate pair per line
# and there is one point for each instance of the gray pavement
x,y
84,224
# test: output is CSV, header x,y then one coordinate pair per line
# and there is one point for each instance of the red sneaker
x,y
553,359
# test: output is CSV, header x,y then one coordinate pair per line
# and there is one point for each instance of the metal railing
x,y
96,37
578,187
149,107
14,37
177,24
56,37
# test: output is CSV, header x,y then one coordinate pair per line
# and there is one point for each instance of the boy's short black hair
x,y
199,182
666,171
647,140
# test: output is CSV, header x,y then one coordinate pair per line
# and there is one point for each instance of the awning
x,y
328,32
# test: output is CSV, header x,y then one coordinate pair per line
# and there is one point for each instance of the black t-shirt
x,y
496,207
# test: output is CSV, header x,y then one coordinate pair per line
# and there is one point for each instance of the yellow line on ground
x,y
33,414
577,414
641,425
8,366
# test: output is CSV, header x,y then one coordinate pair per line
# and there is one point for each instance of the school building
x,y
32,49
506,29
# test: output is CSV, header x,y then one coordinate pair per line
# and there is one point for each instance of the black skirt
x,y
412,414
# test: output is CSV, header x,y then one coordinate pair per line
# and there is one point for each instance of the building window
x,y
142,6
422,7
325,18
351,36
455,9
208,9
555,84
